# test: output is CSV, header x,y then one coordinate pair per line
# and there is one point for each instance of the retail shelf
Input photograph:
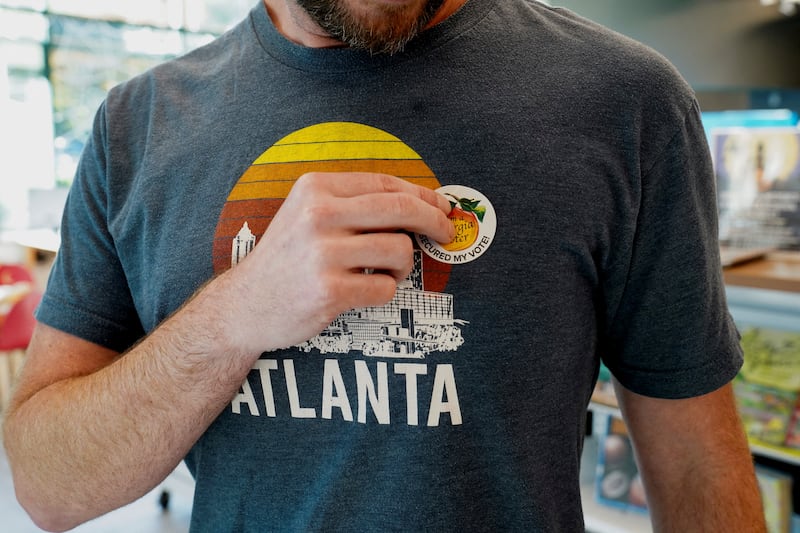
x,y
779,271
764,307
785,455
761,449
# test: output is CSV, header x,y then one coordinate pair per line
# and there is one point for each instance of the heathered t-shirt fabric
x,y
461,405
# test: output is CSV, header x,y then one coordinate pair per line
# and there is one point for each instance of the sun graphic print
x,y
419,319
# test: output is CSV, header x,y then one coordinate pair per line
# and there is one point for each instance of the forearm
x,y
717,492
84,446
695,462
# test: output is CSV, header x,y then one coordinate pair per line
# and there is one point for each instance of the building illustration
x,y
413,324
242,245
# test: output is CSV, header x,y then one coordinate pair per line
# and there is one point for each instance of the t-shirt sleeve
x,y
87,293
669,333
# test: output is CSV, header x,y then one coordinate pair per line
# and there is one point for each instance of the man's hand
x,y
309,265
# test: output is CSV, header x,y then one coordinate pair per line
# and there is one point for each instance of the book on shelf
x,y
767,387
765,411
617,482
776,497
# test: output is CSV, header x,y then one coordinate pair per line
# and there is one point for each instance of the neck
x,y
294,23
448,8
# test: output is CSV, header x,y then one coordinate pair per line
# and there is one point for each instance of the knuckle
x,y
401,253
384,290
308,184
426,194
309,178
406,269
324,253
403,204
405,246
327,296
318,216
301,184
385,182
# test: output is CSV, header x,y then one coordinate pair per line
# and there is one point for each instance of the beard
x,y
386,29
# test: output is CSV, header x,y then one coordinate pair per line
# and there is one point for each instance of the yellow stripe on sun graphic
x,y
337,140
331,147
323,151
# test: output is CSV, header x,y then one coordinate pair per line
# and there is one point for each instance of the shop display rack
x,y
762,293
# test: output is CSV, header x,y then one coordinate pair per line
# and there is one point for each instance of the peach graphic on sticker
x,y
466,216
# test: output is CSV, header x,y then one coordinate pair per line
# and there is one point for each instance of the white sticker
x,y
475,221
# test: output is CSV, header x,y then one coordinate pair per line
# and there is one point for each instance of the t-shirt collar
x,y
346,59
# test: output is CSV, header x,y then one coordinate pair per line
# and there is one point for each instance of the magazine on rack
x,y
758,183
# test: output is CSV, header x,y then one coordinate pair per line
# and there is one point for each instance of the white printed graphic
x,y
415,323
242,245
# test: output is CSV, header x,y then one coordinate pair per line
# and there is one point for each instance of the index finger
x,y
351,184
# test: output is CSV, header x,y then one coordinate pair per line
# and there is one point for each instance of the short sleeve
x,y
87,293
669,333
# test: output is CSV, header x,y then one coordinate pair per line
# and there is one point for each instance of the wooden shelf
x,y
778,271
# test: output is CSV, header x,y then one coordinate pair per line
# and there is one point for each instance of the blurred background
x,y
58,59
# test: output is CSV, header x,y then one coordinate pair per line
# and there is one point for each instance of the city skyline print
x,y
420,319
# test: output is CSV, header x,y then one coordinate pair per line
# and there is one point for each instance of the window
x,y
59,58
164,13
86,58
37,5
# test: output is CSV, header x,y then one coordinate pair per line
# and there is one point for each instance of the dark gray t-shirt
x,y
587,231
